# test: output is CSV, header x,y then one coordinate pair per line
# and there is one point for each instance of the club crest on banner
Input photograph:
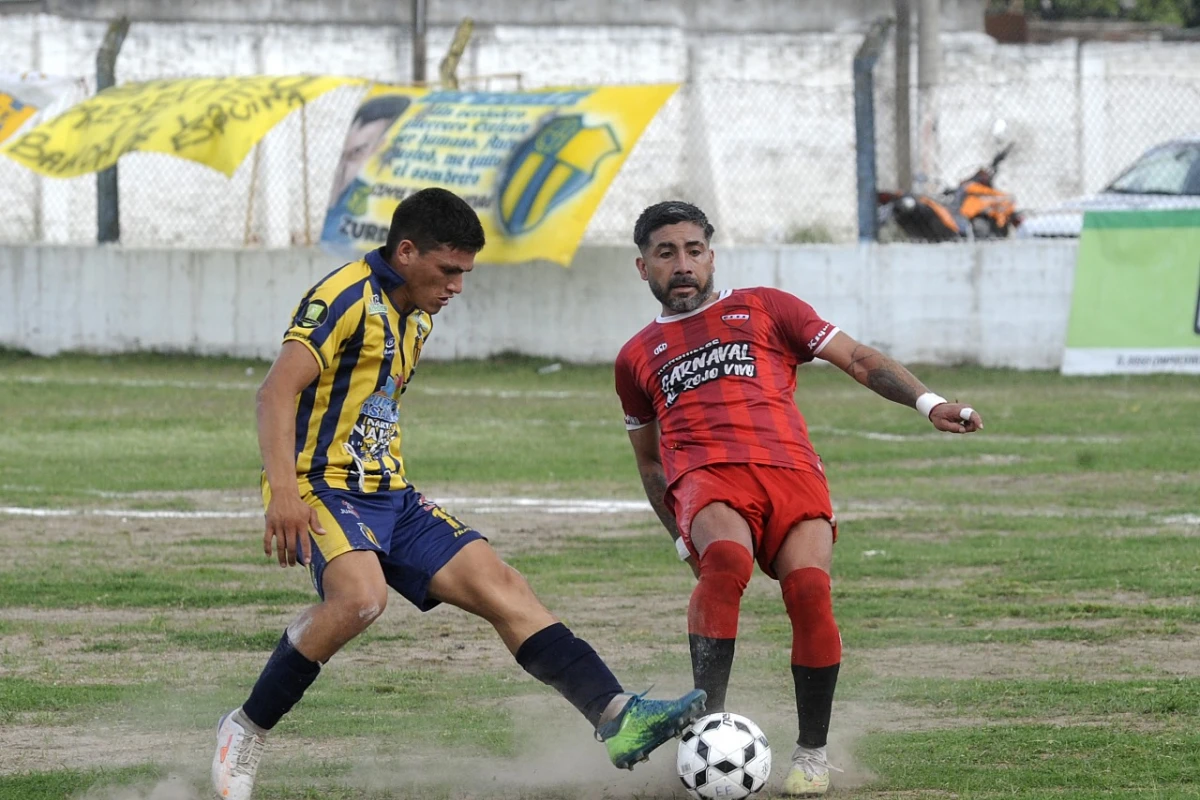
x,y
549,168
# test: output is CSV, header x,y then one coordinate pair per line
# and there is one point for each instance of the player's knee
x,y
359,608
728,563
805,587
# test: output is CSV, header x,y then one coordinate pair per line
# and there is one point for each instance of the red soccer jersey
x,y
721,381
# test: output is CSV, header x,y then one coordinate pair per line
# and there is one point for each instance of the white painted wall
x,y
762,134
995,305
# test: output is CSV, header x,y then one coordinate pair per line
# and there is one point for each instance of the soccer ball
x,y
723,756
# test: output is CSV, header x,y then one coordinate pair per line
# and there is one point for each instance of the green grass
x,y
1048,535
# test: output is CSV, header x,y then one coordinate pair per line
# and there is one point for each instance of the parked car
x,y
1166,176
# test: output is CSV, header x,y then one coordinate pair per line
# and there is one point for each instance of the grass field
x,y
1019,608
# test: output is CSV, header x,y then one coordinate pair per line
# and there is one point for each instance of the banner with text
x,y
212,121
1135,308
534,165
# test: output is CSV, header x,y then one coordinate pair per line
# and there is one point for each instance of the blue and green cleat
x,y
644,725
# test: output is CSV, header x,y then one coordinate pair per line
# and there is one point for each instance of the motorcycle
x,y
975,209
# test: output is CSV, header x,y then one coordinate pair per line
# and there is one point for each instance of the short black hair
x,y
389,107
432,218
668,213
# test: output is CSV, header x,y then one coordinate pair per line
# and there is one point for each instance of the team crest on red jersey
x,y
736,317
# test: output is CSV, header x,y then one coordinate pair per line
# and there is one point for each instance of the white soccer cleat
x,y
809,774
236,760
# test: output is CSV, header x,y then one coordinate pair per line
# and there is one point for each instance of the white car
x,y
1166,176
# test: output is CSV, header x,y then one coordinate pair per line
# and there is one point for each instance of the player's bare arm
x,y
889,379
288,518
654,479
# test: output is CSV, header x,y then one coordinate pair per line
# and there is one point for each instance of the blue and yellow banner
x,y
534,165
22,96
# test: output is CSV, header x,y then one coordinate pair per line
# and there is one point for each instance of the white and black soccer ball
x,y
723,757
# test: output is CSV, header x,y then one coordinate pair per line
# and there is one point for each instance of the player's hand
x,y
955,418
289,519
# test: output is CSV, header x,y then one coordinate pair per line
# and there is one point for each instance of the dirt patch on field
x,y
556,749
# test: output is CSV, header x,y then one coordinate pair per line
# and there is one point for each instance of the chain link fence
x,y
772,160
1069,119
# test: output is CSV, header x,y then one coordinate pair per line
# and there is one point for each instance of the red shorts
x,y
772,500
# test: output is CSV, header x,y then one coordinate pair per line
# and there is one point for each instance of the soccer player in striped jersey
x,y
708,391
338,501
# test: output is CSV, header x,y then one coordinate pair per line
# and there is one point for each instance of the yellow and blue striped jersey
x,y
348,419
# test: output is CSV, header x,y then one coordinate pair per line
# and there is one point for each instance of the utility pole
x,y
420,14
864,128
929,59
903,109
108,198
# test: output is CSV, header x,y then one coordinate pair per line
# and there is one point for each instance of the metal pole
x,y
903,110
929,59
420,18
108,200
864,128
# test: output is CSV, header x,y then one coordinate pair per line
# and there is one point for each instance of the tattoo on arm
x,y
654,481
884,376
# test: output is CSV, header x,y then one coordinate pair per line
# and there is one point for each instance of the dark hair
x,y
387,107
668,213
432,218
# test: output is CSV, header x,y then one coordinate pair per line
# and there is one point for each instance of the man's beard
x,y
682,305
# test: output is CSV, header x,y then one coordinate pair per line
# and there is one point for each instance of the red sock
x,y
725,570
815,638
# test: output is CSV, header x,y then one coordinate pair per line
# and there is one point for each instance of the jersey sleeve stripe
x,y
827,340
293,337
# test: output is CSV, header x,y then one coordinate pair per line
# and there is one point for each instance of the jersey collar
x,y
676,317
389,280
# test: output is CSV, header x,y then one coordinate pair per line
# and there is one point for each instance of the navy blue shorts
x,y
414,537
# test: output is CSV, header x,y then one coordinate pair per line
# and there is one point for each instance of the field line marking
x,y
475,505
156,383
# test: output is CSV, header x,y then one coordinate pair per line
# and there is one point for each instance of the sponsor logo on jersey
x,y
349,510
659,350
709,362
376,308
815,341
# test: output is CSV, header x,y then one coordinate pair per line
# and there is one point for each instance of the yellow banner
x,y
13,114
213,121
534,165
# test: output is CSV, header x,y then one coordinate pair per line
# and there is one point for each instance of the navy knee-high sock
x,y
568,664
281,684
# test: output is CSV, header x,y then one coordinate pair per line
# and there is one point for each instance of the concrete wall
x,y
719,15
995,305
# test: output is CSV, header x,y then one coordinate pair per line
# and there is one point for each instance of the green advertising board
x,y
1135,308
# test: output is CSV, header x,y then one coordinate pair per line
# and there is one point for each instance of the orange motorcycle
x,y
975,209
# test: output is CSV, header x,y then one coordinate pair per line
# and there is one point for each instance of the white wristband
x,y
681,548
927,401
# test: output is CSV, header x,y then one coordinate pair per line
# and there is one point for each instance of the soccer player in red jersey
x,y
708,394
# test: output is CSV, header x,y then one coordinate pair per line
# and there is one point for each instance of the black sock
x,y
814,702
712,659
281,684
558,659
